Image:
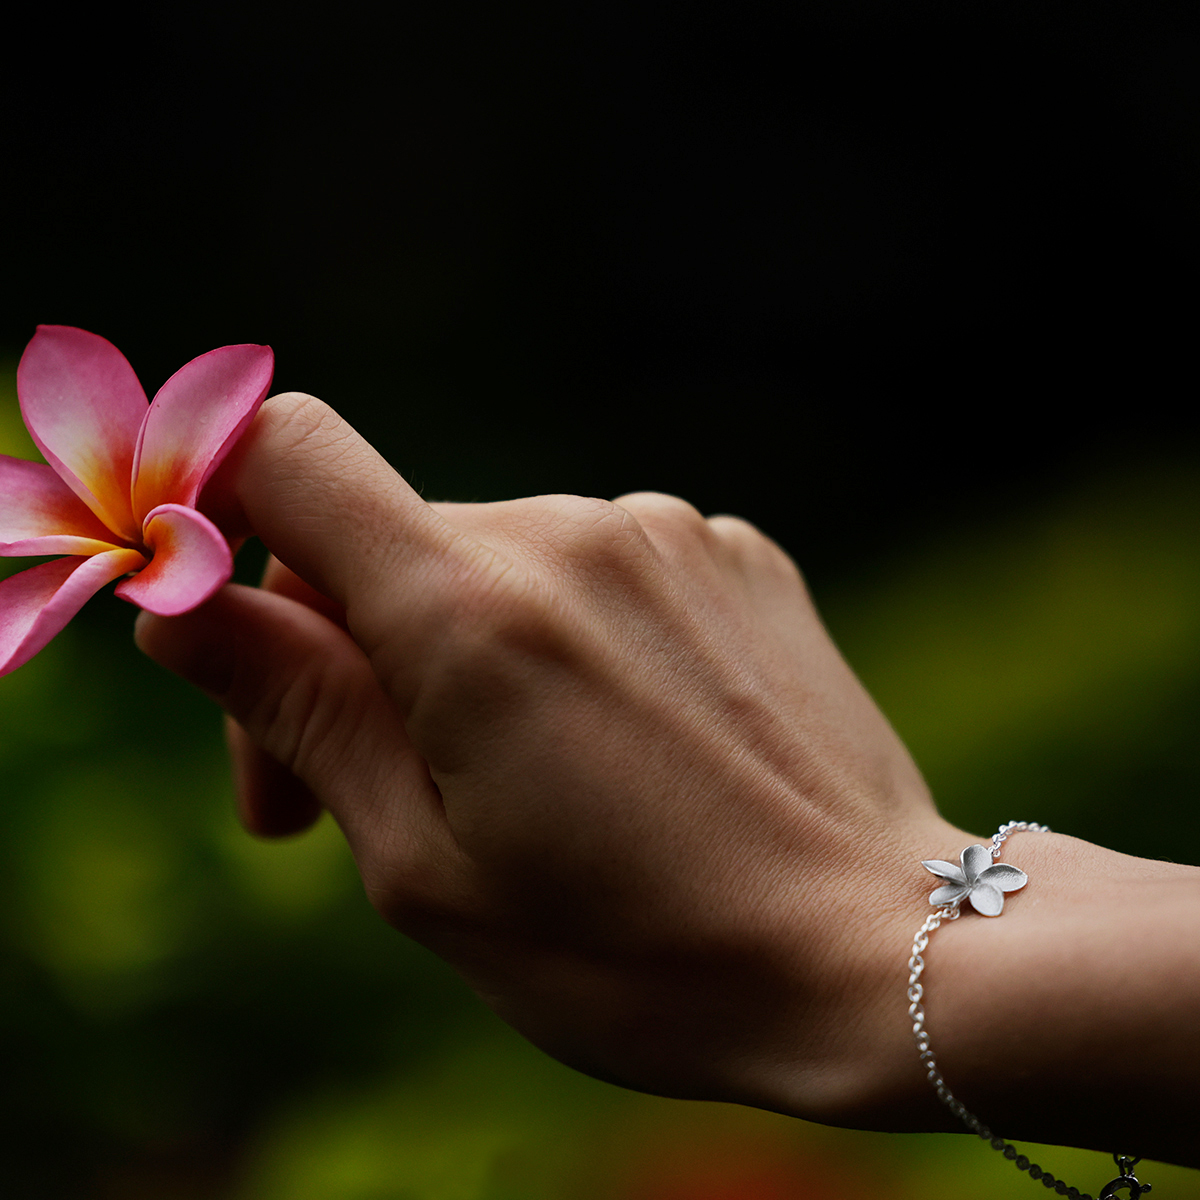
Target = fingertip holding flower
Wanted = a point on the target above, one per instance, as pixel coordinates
(119, 494)
(977, 879)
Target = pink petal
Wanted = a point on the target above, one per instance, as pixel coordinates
(36, 604)
(84, 408)
(191, 560)
(39, 514)
(194, 421)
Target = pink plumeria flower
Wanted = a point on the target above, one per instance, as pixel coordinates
(119, 494)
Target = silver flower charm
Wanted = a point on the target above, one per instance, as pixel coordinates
(979, 880)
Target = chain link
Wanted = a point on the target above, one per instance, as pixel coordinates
(1006, 831)
(916, 1013)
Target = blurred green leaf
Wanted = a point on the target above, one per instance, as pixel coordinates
(1035, 667)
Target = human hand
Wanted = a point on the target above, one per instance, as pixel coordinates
(602, 757)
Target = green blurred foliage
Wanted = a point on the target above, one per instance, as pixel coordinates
(191, 1013)
(1050, 664)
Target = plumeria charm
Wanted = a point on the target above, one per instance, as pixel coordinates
(119, 495)
(978, 880)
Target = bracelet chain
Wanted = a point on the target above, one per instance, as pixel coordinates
(916, 1012)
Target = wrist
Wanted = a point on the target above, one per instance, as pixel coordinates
(1070, 1018)
(1083, 991)
(846, 1055)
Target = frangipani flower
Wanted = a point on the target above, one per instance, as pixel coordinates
(119, 495)
(979, 880)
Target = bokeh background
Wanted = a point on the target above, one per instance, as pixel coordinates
(909, 284)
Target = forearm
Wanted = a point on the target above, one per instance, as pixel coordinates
(1074, 1017)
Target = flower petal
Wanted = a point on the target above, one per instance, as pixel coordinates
(952, 893)
(36, 604)
(39, 514)
(1005, 877)
(191, 560)
(951, 872)
(194, 421)
(84, 408)
(974, 860)
(987, 899)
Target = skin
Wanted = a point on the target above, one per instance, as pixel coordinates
(605, 760)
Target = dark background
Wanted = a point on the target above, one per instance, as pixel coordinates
(597, 247)
(911, 285)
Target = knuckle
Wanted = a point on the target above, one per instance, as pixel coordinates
(738, 532)
(675, 528)
(660, 508)
(588, 534)
(748, 544)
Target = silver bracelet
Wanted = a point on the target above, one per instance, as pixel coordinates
(981, 880)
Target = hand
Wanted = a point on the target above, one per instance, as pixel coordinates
(602, 757)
